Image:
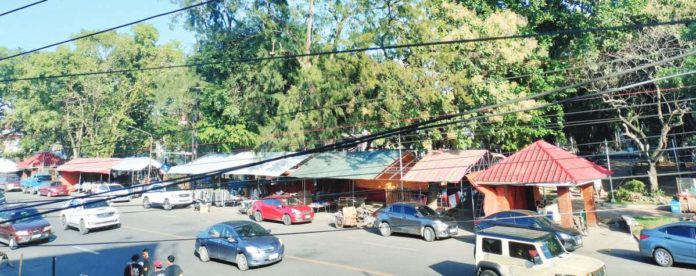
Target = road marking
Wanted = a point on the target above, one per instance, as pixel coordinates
(389, 246)
(347, 267)
(154, 232)
(86, 250)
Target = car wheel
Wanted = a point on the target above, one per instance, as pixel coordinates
(64, 222)
(286, 219)
(242, 263)
(428, 234)
(488, 272)
(13, 243)
(663, 257)
(385, 229)
(203, 254)
(146, 203)
(339, 222)
(257, 216)
(118, 225)
(166, 205)
(83, 227)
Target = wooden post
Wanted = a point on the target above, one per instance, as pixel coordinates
(589, 204)
(565, 206)
(21, 261)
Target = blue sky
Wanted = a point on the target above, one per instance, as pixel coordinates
(56, 20)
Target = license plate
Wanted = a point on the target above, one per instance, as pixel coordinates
(307, 216)
(453, 230)
(36, 236)
(273, 256)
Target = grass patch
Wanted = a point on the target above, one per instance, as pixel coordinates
(646, 222)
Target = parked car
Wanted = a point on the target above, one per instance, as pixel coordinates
(3, 200)
(10, 183)
(244, 243)
(22, 225)
(571, 238)
(416, 219)
(88, 214)
(669, 244)
(283, 208)
(166, 195)
(501, 251)
(31, 184)
(114, 192)
(54, 189)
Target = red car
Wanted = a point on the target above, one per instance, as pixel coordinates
(55, 189)
(283, 208)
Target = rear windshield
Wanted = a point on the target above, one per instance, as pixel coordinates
(56, 184)
(96, 204)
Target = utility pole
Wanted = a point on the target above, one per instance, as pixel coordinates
(401, 170)
(611, 183)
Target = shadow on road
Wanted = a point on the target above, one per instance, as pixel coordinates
(470, 239)
(453, 268)
(624, 254)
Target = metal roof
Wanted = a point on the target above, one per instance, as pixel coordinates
(347, 165)
(541, 163)
(273, 168)
(136, 164)
(208, 163)
(89, 165)
(215, 162)
(444, 165)
(40, 160)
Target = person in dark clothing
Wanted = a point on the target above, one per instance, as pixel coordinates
(147, 265)
(133, 268)
(172, 269)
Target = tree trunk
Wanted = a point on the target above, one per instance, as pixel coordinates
(652, 175)
(308, 36)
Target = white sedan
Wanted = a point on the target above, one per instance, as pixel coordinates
(87, 214)
(114, 192)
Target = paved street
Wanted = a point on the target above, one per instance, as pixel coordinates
(311, 249)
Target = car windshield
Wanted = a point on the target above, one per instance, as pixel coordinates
(171, 188)
(426, 211)
(11, 178)
(43, 177)
(552, 247)
(544, 221)
(96, 204)
(115, 187)
(56, 184)
(291, 201)
(250, 230)
(25, 215)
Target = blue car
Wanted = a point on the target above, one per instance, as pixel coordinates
(669, 244)
(244, 243)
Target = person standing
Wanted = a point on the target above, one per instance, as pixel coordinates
(158, 269)
(173, 269)
(146, 263)
(133, 268)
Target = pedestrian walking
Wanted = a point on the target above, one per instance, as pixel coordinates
(133, 268)
(173, 269)
(158, 269)
(146, 263)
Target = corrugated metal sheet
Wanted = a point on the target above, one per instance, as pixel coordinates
(541, 163)
(346, 165)
(136, 164)
(40, 160)
(274, 168)
(444, 166)
(211, 162)
(89, 165)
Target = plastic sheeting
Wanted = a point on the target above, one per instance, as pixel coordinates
(8, 166)
(136, 164)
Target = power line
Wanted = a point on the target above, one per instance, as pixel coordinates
(107, 30)
(356, 50)
(22, 7)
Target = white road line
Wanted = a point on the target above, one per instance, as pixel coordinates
(389, 246)
(86, 250)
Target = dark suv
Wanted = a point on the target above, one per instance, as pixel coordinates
(571, 238)
(22, 225)
(417, 219)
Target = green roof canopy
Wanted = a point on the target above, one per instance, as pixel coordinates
(347, 165)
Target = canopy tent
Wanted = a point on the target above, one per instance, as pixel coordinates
(446, 166)
(347, 165)
(273, 168)
(136, 164)
(513, 182)
(44, 159)
(8, 166)
(90, 165)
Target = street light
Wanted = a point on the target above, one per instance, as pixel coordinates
(149, 156)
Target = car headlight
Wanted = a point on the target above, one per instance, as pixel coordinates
(296, 212)
(252, 250)
(440, 225)
(281, 242)
(564, 236)
(22, 232)
(47, 228)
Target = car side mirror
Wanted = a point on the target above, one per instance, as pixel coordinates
(536, 260)
(269, 230)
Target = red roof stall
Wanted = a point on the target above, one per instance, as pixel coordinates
(39, 161)
(513, 182)
(86, 169)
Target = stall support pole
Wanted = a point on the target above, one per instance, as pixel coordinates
(473, 207)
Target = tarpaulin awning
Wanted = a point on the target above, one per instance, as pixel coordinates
(90, 165)
(444, 166)
(211, 163)
(8, 166)
(136, 164)
(273, 168)
(541, 163)
(44, 159)
(347, 165)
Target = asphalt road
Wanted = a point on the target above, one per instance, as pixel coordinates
(311, 249)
